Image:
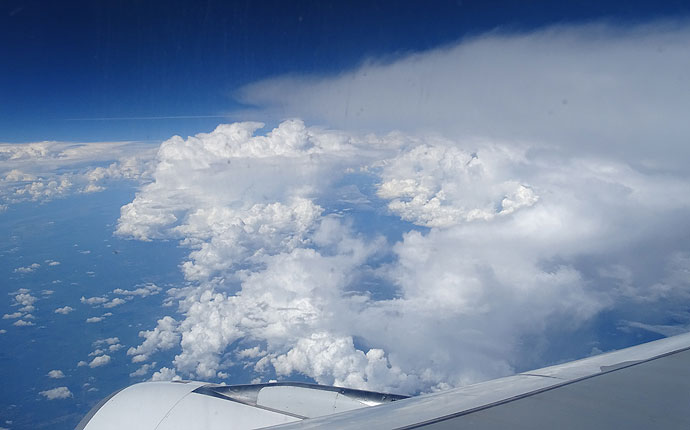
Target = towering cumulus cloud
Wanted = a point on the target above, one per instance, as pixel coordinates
(270, 266)
(413, 262)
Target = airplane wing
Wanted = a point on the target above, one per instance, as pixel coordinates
(642, 387)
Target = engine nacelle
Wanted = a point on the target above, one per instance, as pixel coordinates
(189, 405)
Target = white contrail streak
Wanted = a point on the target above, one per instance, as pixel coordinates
(137, 118)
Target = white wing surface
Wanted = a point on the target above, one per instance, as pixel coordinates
(646, 386)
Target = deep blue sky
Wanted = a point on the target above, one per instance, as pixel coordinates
(93, 59)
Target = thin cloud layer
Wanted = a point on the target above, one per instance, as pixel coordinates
(602, 88)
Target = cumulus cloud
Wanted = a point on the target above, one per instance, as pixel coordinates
(163, 337)
(107, 341)
(93, 300)
(110, 344)
(233, 152)
(43, 171)
(101, 360)
(144, 369)
(56, 374)
(27, 269)
(485, 276)
(98, 319)
(165, 374)
(440, 185)
(114, 302)
(64, 310)
(13, 315)
(106, 302)
(96, 352)
(56, 393)
(141, 291)
(23, 323)
(336, 361)
(518, 220)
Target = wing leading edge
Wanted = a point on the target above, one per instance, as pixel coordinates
(642, 387)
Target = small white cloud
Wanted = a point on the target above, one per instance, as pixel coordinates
(143, 291)
(3, 331)
(93, 300)
(114, 302)
(163, 337)
(82, 363)
(47, 292)
(56, 393)
(64, 310)
(56, 374)
(44, 189)
(254, 352)
(107, 341)
(92, 188)
(96, 352)
(99, 361)
(94, 319)
(116, 347)
(143, 370)
(165, 374)
(23, 298)
(22, 323)
(27, 269)
(52, 263)
(13, 315)
(16, 175)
